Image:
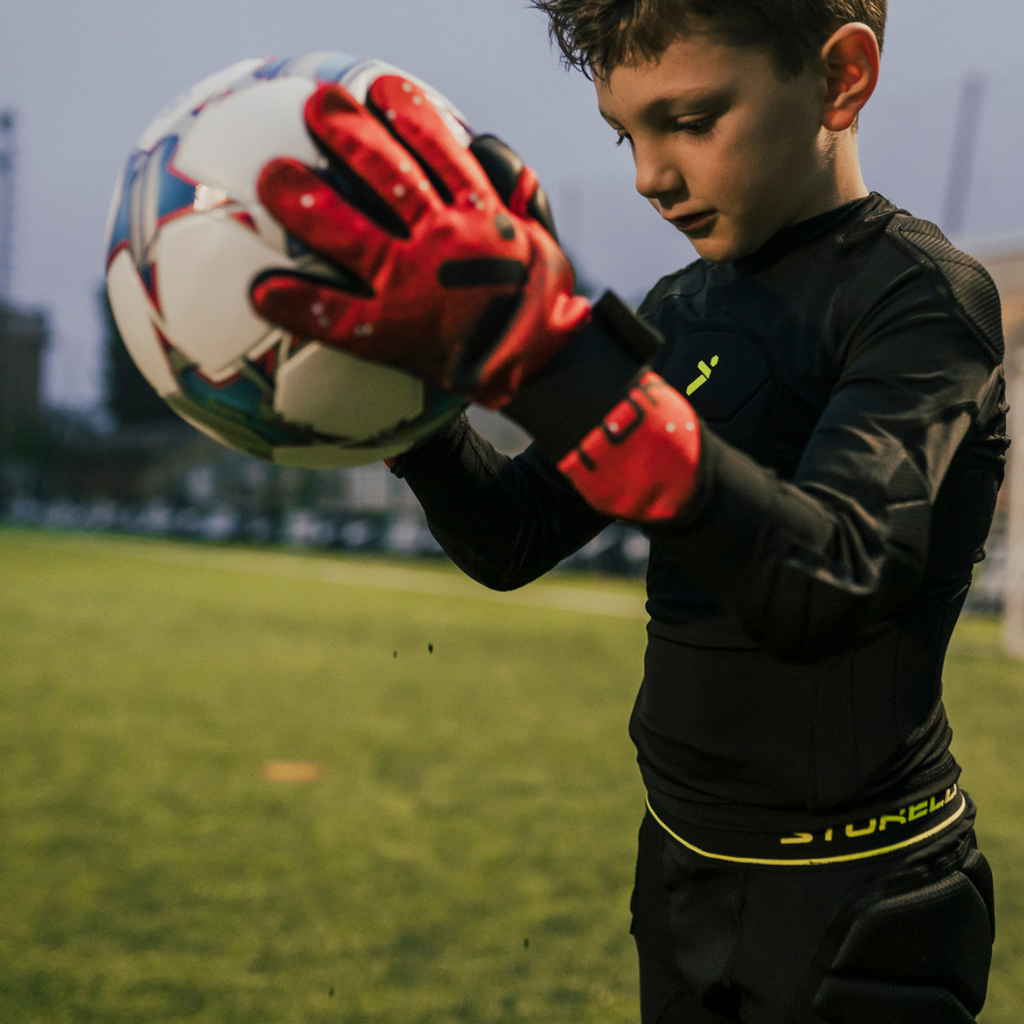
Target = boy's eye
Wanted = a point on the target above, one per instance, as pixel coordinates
(623, 137)
(699, 126)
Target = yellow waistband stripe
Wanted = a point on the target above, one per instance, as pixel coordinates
(811, 861)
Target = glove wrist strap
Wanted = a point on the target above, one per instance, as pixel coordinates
(600, 364)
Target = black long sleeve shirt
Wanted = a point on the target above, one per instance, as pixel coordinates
(848, 379)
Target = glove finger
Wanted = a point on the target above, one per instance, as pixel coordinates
(364, 328)
(321, 219)
(539, 209)
(500, 163)
(514, 182)
(416, 121)
(353, 135)
(309, 309)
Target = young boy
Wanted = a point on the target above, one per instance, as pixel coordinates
(809, 423)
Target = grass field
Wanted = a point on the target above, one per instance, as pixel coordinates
(463, 848)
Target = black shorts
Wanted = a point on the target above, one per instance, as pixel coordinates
(900, 939)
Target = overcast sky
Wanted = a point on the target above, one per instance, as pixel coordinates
(85, 76)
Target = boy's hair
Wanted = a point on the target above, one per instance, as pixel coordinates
(599, 35)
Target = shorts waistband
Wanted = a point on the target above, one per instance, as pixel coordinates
(897, 829)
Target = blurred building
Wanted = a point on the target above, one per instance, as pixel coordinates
(23, 337)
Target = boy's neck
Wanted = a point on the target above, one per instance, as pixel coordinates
(840, 180)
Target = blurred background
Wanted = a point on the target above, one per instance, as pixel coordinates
(273, 780)
(86, 445)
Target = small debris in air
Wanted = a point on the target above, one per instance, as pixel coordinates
(526, 943)
(394, 654)
(430, 648)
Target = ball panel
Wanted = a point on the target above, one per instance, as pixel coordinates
(188, 101)
(214, 326)
(237, 135)
(328, 67)
(441, 408)
(329, 456)
(243, 397)
(233, 433)
(117, 219)
(134, 315)
(335, 393)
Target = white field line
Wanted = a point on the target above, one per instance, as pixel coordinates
(363, 575)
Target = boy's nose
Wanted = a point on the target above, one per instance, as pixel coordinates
(656, 177)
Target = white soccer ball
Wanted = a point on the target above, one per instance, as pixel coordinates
(185, 239)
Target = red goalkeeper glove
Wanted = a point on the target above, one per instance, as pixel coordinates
(453, 286)
(455, 276)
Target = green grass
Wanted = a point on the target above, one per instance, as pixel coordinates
(984, 695)
(473, 798)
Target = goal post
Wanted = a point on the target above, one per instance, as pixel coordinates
(1005, 262)
(1013, 597)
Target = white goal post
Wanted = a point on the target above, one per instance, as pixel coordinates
(1013, 616)
(1005, 262)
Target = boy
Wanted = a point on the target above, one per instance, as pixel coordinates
(814, 449)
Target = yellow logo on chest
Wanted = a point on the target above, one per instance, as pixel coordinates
(705, 373)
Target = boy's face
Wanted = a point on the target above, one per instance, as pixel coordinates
(724, 149)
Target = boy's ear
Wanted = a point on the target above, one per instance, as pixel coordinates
(851, 58)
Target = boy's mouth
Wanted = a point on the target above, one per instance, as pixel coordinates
(693, 221)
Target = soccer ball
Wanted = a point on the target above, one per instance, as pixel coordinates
(186, 237)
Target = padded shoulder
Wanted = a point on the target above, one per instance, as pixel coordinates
(969, 284)
(687, 281)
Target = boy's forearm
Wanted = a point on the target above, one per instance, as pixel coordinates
(503, 521)
(802, 573)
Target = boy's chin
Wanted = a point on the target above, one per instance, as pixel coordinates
(722, 248)
(715, 250)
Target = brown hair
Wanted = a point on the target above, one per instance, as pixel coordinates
(599, 35)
